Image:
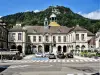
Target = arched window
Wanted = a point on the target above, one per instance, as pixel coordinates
(46, 48)
(82, 47)
(40, 49)
(19, 47)
(77, 47)
(59, 48)
(13, 47)
(64, 48)
(34, 49)
(28, 49)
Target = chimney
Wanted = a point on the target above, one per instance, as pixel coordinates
(77, 25)
(18, 24)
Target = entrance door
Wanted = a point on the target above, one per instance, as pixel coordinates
(47, 48)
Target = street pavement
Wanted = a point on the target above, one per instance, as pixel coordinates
(51, 67)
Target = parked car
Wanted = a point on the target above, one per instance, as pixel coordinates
(39, 55)
(52, 56)
(3, 49)
(61, 56)
(69, 55)
(47, 55)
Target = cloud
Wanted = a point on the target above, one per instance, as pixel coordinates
(79, 12)
(0, 16)
(91, 15)
(36, 11)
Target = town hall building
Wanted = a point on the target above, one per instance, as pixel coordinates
(51, 38)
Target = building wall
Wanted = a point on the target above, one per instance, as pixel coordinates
(97, 42)
(73, 42)
(13, 40)
(3, 37)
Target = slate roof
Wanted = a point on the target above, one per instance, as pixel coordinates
(92, 41)
(79, 28)
(51, 29)
(17, 28)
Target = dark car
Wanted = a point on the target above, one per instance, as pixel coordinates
(61, 56)
(3, 49)
(69, 55)
(52, 56)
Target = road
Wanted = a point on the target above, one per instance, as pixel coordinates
(60, 67)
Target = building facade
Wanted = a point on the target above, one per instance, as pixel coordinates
(97, 40)
(3, 35)
(51, 38)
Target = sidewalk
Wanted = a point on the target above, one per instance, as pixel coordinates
(28, 57)
(53, 73)
(79, 57)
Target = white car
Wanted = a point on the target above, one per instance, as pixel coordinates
(39, 55)
(46, 54)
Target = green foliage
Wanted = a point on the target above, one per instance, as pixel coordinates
(65, 18)
(98, 54)
(88, 54)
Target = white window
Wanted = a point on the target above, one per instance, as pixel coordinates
(28, 38)
(59, 38)
(77, 36)
(13, 36)
(47, 38)
(54, 39)
(34, 38)
(39, 38)
(64, 39)
(82, 37)
(19, 36)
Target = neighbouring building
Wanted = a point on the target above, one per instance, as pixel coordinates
(97, 40)
(51, 37)
(3, 35)
(92, 44)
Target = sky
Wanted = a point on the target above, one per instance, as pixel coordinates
(86, 8)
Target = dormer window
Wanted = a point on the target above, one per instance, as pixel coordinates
(46, 33)
(59, 31)
(34, 31)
